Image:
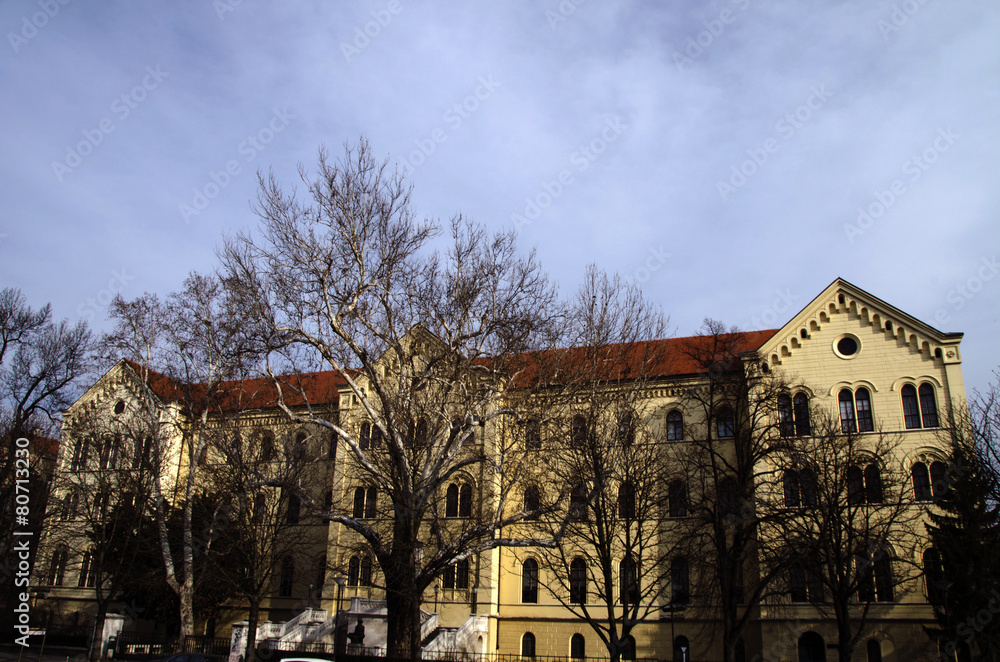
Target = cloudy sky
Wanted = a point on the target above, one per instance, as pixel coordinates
(732, 156)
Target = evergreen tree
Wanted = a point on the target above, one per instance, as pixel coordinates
(961, 569)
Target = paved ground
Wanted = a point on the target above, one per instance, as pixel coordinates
(10, 652)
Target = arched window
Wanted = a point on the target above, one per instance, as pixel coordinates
(376, 436)
(812, 648)
(725, 427)
(928, 406)
(884, 583)
(807, 481)
(848, 419)
(578, 581)
(578, 431)
(873, 484)
(365, 438)
(628, 575)
(578, 502)
(420, 437)
(57, 565)
(866, 422)
(528, 645)
(675, 426)
(88, 571)
(911, 408)
(875, 580)
(365, 502)
(874, 650)
(294, 508)
(786, 420)
(465, 501)
(532, 434)
(855, 485)
(801, 407)
(365, 578)
(266, 446)
(791, 484)
(626, 500)
(259, 506)
(529, 581)
(921, 482)
(578, 647)
(626, 429)
(805, 583)
(287, 577)
(353, 571)
(934, 576)
(628, 648)
(451, 501)
(680, 587)
(678, 499)
(532, 501)
(682, 649)
(359, 502)
(939, 479)
(728, 498)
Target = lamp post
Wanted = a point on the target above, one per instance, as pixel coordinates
(436, 589)
(475, 598)
(673, 610)
(336, 619)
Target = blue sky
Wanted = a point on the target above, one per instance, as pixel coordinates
(734, 157)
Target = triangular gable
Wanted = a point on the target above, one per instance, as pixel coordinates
(840, 297)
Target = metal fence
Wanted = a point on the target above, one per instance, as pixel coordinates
(148, 646)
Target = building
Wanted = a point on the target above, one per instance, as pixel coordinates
(872, 368)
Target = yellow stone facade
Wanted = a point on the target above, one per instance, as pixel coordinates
(891, 350)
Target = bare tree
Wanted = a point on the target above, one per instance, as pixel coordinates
(270, 529)
(852, 523)
(727, 456)
(611, 559)
(41, 365)
(426, 342)
(102, 512)
(190, 354)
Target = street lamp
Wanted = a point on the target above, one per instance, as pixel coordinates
(673, 610)
(336, 619)
(436, 589)
(475, 598)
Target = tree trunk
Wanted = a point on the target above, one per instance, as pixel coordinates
(97, 642)
(249, 654)
(402, 609)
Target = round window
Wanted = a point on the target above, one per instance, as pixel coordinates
(847, 346)
(119, 406)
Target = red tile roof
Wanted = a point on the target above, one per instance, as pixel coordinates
(669, 357)
(318, 388)
(655, 359)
